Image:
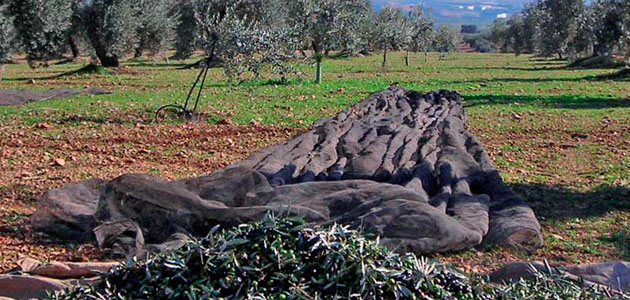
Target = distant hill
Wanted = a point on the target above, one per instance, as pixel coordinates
(478, 12)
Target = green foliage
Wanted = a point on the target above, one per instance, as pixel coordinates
(567, 27)
(422, 30)
(42, 26)
(326, 25)
(498, 35)
(186, 30)
(480, 42)
(558, 25)
(549, 284)
(157, 25)
(111, 26)
(392, 30)
(280, 258)
(447, 39)
(238, 36)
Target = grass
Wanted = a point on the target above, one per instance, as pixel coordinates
(558, 135)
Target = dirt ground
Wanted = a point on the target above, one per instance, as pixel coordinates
(44, 156)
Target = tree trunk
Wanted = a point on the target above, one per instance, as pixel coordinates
(318, 73)
(407, 59)
(426, 57)
(318, 58)
(74, 48)
(107, 60)
(384, 66)
(138, 53)
(560, 55)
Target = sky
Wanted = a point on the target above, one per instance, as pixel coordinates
(479, 12)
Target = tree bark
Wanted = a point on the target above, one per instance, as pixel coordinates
(318, 73)
(106, 59)
(318, 59)
(384, 66)
(138, 53)
(74, 48)
(407, 59)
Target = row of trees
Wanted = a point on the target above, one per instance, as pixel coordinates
(47, 29)
(244, 35)
(567, 28)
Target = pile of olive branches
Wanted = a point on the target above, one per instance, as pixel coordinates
(282, 258)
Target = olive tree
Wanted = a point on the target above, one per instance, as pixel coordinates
(186, 30)
(422, 32)
(611, 26)
(447, 40)
(42, 27)
(558, 25)
(111, 27)
(392, 31)
(498, 35)
(326, 25)
(158, 20)
(516, 34)
(530, 18)
(605, 25)
(237, 36)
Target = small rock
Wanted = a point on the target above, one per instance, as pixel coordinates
(42, 126)
(516, 116)
(60, 162)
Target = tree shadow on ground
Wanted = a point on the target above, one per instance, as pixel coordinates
(546, 59)
(560, 101)
(508, 68)
(558, 202)
(621, 75)
(150, 64)
(90, 69)
(93, 69)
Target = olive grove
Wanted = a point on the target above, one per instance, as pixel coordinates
(573, 29)
(241, 36)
